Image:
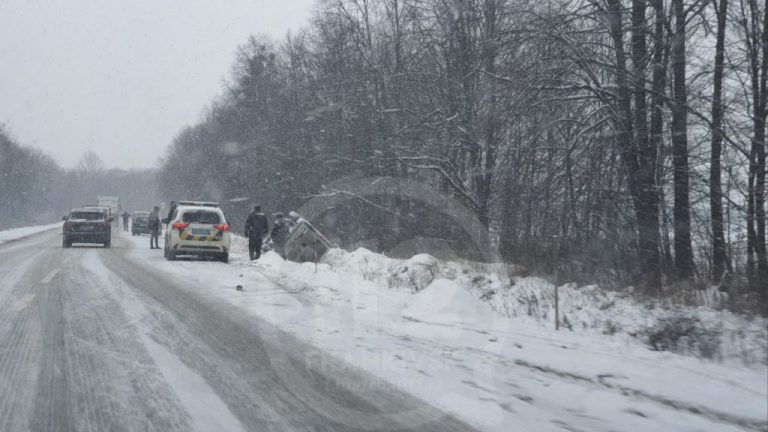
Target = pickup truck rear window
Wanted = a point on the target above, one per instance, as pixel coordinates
(89, 216)
(202, 217)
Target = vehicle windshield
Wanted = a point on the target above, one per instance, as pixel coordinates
(201, 217)
(89, 216)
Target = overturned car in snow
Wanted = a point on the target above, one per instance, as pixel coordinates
(305, 243)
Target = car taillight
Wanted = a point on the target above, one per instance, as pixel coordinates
(223, 227)
(179, 225)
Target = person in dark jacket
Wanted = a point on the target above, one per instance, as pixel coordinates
(154, 228)
(125, 216)
(256, 227)
(279, 235)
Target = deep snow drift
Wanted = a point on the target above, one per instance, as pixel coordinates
(466, 339)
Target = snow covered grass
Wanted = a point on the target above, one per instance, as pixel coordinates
(20, 233)
(464, 338)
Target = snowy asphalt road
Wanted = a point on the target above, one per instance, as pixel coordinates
(92, 340)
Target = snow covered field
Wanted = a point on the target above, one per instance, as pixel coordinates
(497, 363)
(19, 233)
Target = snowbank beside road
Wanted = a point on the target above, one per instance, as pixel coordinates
(698, 331)
(20, 233)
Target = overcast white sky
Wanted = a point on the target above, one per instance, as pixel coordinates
(121, 78)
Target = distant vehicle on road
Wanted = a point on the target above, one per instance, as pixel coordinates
(87, 226)
(140, 223)
(111, 202)
(198, 229)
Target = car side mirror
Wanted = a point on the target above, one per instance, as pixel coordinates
(165, 220)
(64, 218)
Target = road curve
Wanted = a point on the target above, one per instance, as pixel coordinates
(91, 340)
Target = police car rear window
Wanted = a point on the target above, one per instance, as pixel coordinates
(202, 217)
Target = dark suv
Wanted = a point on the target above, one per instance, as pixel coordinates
(87, 226)
(140, 223)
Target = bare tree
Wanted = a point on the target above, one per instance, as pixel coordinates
(684, 267)
(720, 260)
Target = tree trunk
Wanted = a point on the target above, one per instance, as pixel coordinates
(682, 213)
(641, 185)
(719, 256)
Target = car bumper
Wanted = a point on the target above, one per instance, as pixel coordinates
(186, 247)
(87, 237)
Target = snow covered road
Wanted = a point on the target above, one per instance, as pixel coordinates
(95, 339)
(120, 339)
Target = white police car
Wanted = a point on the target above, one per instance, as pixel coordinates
(199, 229)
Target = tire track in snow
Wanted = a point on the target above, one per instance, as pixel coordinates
(52, 409)
(602, 382)
(20, 333)
(188, 394)
(121, 385)
(18, 373)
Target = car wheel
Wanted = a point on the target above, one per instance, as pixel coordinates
(171, 256)
(224, 258)
(108, 244)
(66, 243)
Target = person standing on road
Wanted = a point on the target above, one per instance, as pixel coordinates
(154, 228)
(256, 227)
(279, 234)
(126, 216)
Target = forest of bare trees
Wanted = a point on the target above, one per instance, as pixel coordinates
(616, 141)
(34, 189)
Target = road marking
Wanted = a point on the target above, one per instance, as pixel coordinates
(47, 279)
(23, 302)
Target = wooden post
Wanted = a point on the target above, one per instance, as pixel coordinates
(557, 309)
